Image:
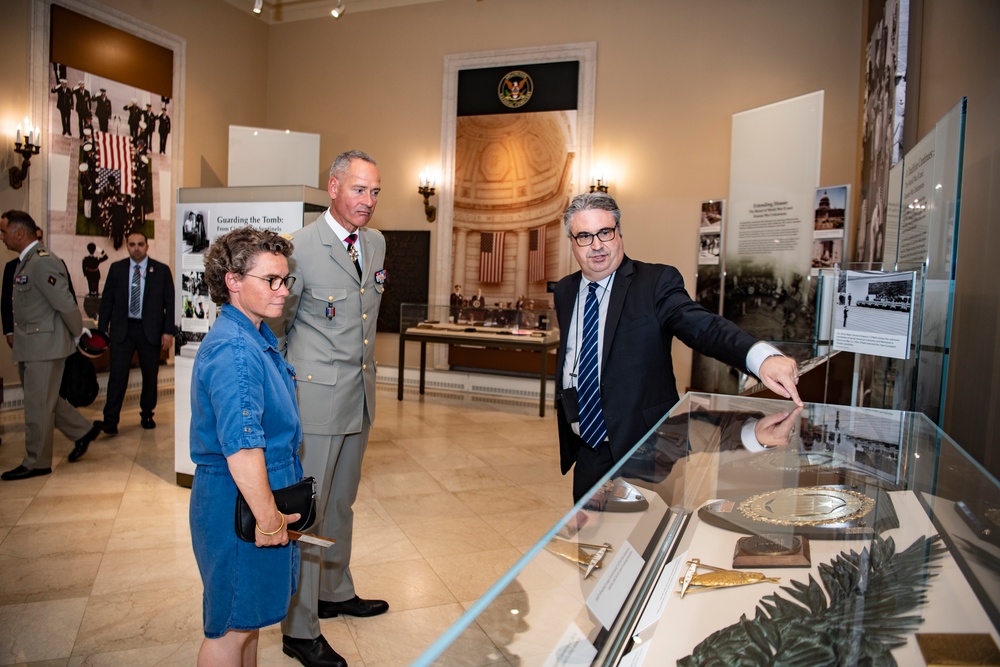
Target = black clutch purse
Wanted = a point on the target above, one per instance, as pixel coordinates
(298, 498)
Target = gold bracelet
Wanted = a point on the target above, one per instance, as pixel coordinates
(275, 531)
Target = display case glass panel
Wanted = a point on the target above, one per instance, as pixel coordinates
(822, 535)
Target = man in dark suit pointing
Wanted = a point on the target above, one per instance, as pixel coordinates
(618, 319)
(137, 312)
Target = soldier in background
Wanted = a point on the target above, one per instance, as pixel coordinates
(163, 127)
(46, 322)
(102, 110)
(82, 104)
(134, 116)
(64, 102)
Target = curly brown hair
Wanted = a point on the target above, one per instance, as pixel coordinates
(236, 252)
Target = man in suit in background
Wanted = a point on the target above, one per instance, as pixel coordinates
(46, 322)
(618, 319)
(329, 327)
(137, 313)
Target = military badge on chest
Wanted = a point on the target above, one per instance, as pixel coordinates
(381, 277)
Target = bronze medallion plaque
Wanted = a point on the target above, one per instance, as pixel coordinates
(771, 551)
(958, 649)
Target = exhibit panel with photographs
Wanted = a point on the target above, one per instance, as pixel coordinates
(884, 105)
(198, 224)
(830, 225)
(863, 534)
(774, 172)
(925, 195)
(707, 374)
(874, 311)
(203, 214)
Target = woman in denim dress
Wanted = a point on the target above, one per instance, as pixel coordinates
(244, 437)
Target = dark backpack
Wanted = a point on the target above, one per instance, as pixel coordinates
(79, 381)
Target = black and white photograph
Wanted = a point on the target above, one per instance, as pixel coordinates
(873, 313)
(194, 232)
(710, 247)
(197, 310)
(711, 214)
(772, 307)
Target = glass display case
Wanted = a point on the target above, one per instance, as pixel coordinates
(743, 531)
(497, 328)
(503, 319)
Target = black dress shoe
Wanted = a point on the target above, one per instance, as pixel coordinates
(312, 652)
(20, 472)
(108, 427)
(147, 422)
(353, 607)
(81, 445)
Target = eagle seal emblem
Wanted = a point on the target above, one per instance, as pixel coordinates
(515, 89)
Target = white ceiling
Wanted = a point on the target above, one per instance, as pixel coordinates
(284, 11)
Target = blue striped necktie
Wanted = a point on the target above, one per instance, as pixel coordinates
(592, 428)
(134, 305)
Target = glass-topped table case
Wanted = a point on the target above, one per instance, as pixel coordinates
(745, 531)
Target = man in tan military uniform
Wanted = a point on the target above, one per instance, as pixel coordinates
(329, 326)
(46, 322)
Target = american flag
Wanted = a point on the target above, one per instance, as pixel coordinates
(114, 152)
(536, 255)
(491, 257)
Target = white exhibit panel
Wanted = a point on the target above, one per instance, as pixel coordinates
(202, 215)
(772, 207)
(773, 175)
(259, 156)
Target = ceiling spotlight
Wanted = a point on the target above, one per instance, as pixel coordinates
(257, 6)
(338, 11)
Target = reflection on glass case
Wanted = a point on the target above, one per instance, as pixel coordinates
(744, 531)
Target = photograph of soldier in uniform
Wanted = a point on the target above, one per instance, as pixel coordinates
(194, 232)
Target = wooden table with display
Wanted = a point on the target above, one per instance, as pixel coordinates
(504, 339)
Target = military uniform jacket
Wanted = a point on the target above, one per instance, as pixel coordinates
(46, 315)
(329, 325)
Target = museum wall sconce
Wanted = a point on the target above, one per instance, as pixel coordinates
(30, 147)
(339, 10)
(257, 6)
(426, 188)
(599, 180)
(599, 183)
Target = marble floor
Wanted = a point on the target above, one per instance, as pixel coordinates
(96, 566)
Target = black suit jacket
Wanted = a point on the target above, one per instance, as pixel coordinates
(157, 301)
(648, 307)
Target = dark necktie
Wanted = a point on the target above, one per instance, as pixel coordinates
(352, 252)
(135, 295)
(588, 385)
